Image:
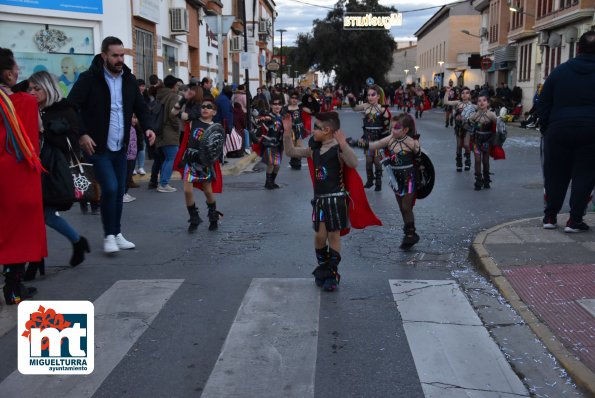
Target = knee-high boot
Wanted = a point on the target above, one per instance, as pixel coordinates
(14, 290)
(378, 180)
(331, 283)
(269, 182)
(369, 175)
(32, 268)
(467, 161)
(478, 182)
(459, 162)
(410, 238)
(273, 178)
(195, 219)
(323, 271)
(486, 180)
(213, 215)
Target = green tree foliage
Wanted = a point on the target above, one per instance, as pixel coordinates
(354, 55)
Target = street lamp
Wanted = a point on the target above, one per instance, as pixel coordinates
(288, 72)
(514, 9)
(281, 53)
(465, 31)
(416, 68)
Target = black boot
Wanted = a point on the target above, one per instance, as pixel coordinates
(459, 162)
(416, 114)
(32, 268)
(467, 161)
(410, 238)
(378, 181)
(486, 180)
(78, 251)
(421, 113)
(331, 283)
(195, 219)
(273, 178)
(478, 182)
(295, 163)
(14, 290)
(323, 271)
(370, 176)
(213, 216)
(269, 182)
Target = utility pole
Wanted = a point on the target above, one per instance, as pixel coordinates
(246, 71)
(281, 53)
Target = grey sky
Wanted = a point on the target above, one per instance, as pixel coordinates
(297, 18)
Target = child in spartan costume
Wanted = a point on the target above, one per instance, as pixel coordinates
(402, 152)
(270, 140)
(339, 198)
(463, 109)
(483, 123)
(298, 131)
(207, 178)
(450, 95)
(376, 126)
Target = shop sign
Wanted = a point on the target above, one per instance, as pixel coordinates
(146, 9)
(87, 6)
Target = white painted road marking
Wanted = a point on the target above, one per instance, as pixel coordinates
(453, 353)
(122, 314)
(271, 348)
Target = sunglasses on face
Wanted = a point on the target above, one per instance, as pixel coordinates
(208, 106)
(277, 103)
(294, 97)
(317, 127)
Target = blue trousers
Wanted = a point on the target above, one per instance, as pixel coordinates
(169, 153)
(59, 224)
(110, 171)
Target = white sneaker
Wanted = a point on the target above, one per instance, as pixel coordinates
(128, 198)
(134, 172)
(123, 243)
(142, 171)
(166, 188)
(110, 245)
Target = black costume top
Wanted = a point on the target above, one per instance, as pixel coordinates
(328, 172)
(375, 123)
(296, 121)
(271, 130)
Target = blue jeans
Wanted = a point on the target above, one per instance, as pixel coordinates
(246, 139)
(140, 159)
(110, 171)
(59, 224)
(169, 153)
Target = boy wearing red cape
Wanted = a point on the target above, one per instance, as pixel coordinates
(207, 178)
(339, 197)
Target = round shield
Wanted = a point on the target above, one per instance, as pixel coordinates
(468, 111)
(210, 145)
(426, 176)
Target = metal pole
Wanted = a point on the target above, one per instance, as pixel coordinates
(220, 48)
(246, 72)
(281, 53)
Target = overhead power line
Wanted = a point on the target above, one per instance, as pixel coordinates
(404, 11)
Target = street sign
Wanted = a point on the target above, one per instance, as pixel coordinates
(245, 60)
(273, 66)
(369, 81)
(486, 63)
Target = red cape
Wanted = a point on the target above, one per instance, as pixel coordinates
(360, 212)
(217, 185)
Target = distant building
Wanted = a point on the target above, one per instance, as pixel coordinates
(404, 63)
(444, 52)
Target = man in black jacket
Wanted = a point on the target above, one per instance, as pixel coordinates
(566, 111)
(106, 96)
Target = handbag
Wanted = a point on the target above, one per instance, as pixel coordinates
(57, 184)
(233, 142)
(83, 178)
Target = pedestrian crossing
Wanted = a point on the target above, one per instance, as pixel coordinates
(271, 346)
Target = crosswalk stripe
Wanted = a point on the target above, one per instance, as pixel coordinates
(122, 314)
(453, 352)
(271, 348)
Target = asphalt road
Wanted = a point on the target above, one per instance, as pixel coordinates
(362, 349)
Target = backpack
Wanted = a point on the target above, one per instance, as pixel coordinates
(156, 114)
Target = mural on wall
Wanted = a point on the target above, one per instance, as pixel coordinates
(64, 51)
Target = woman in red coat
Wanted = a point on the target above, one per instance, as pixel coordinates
(22, 236)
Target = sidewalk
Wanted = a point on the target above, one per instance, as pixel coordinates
(548, 276)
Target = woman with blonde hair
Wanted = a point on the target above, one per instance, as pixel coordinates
(60, 130)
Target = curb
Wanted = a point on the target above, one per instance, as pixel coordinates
(239, 166)
(580, 373)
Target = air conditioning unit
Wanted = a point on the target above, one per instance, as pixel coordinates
(264, 26)
(235, 44)
(571, 34)
(178, 20)
(543, 38)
